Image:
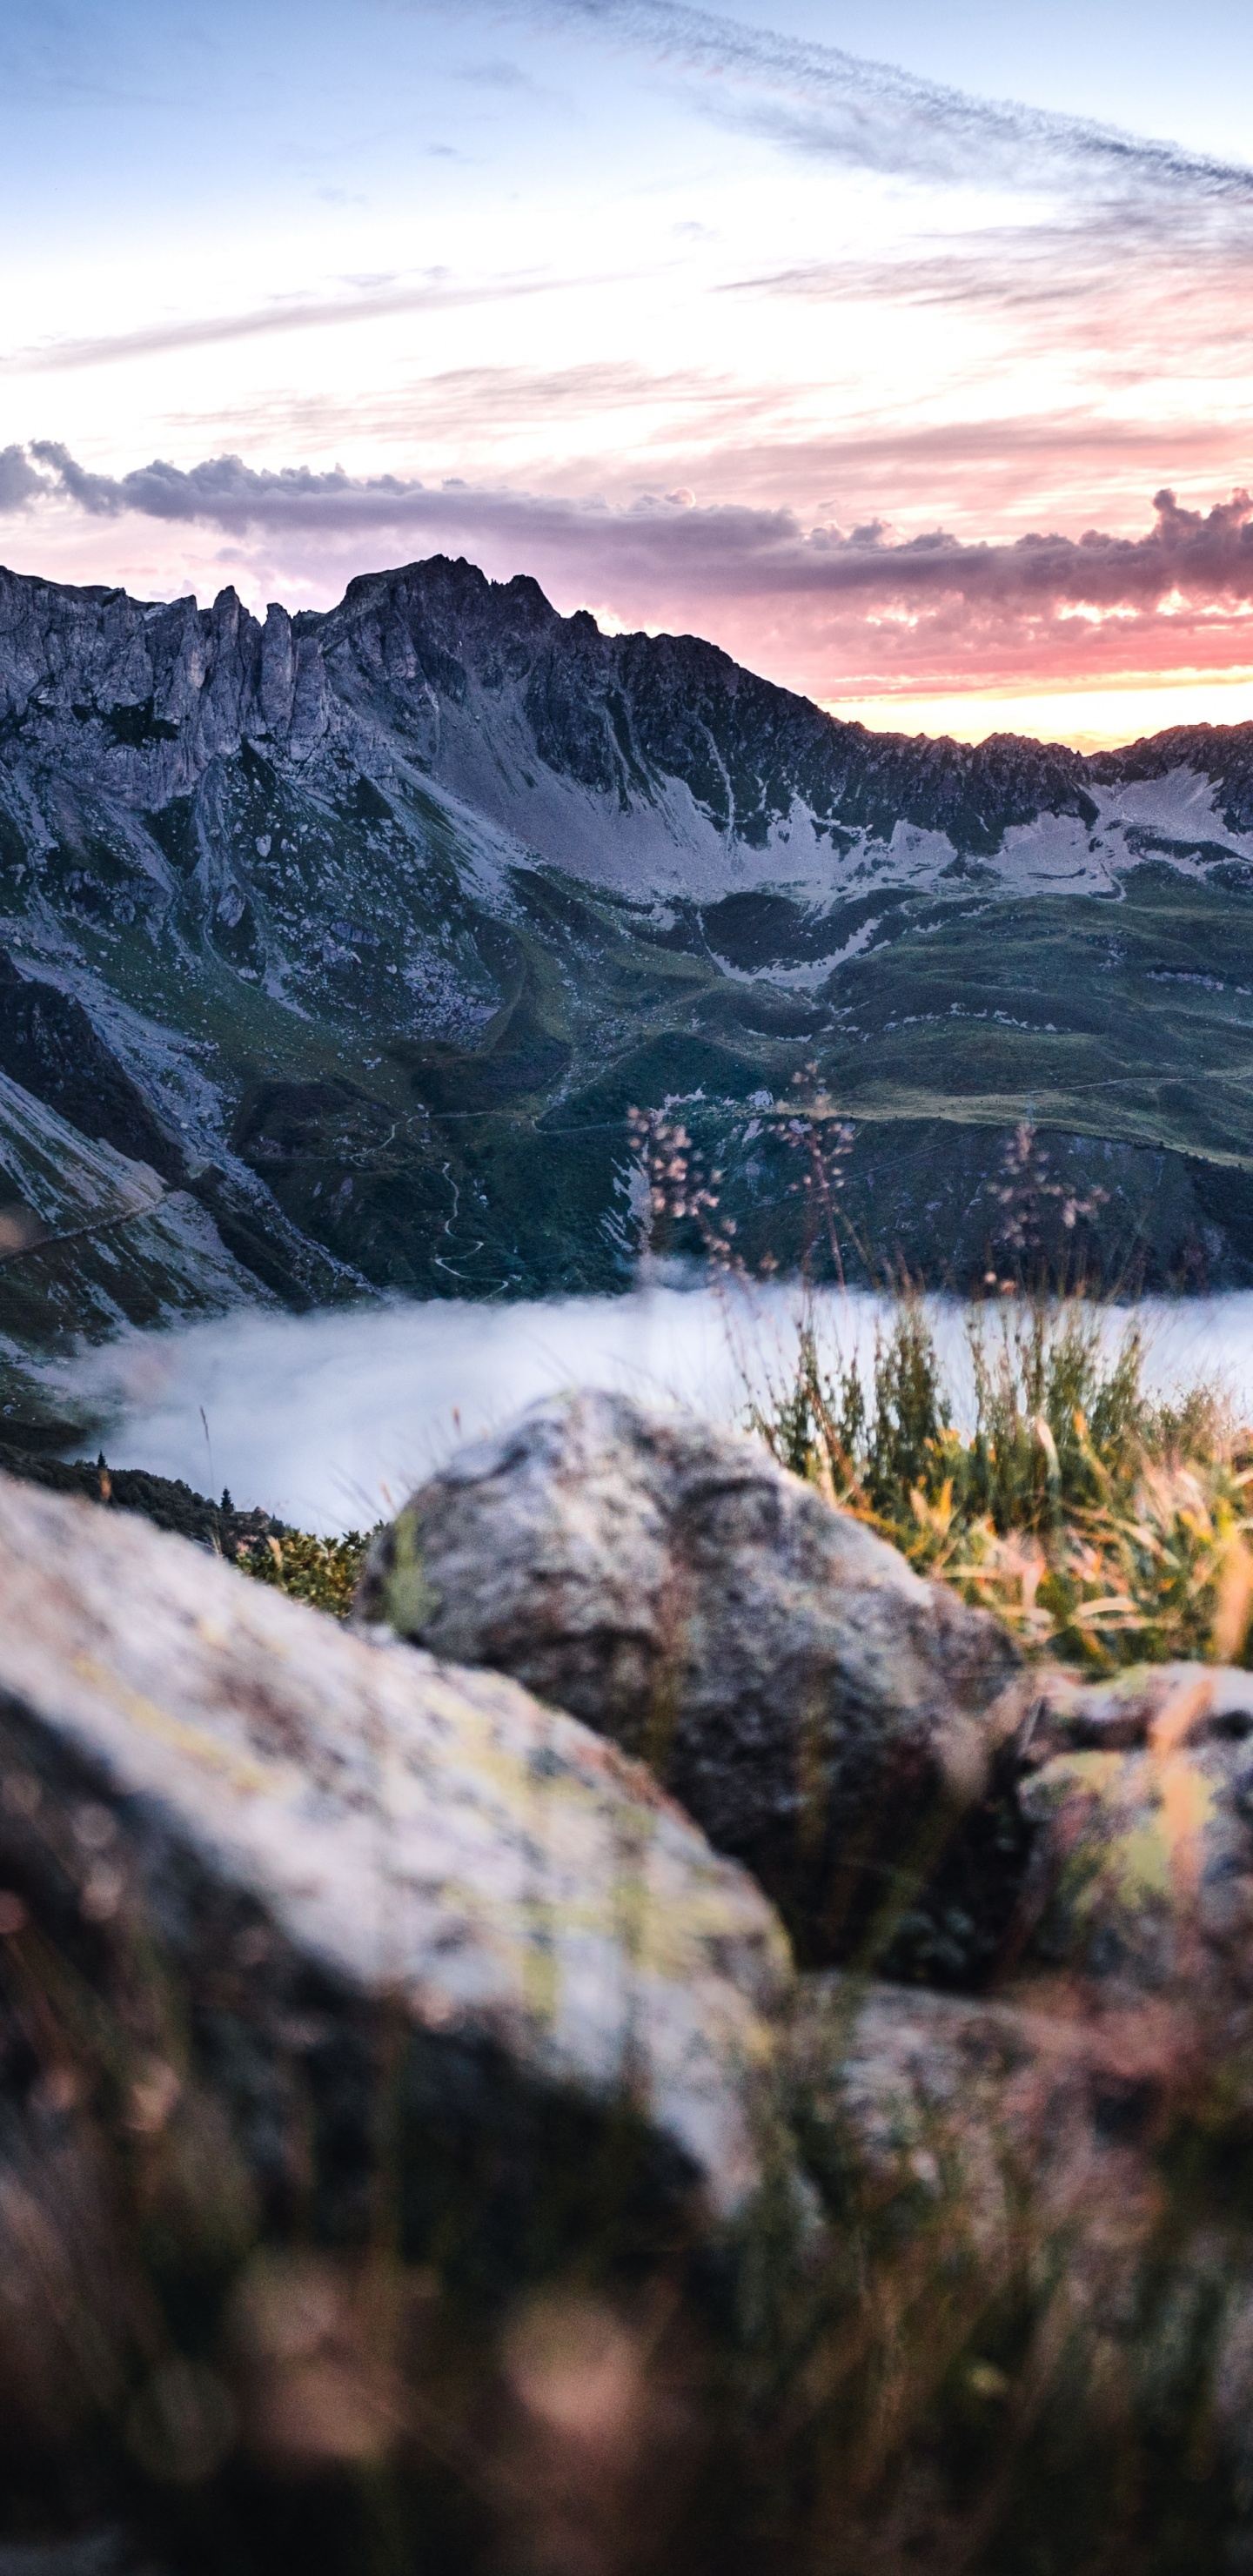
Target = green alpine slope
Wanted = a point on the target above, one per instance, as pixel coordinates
(358, 935)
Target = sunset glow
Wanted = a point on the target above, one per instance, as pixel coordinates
(1087, 719)
(929, 404)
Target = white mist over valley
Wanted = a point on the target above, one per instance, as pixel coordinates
(327, 1420)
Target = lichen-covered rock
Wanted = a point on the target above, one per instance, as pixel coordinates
(408, 2124)
(1139, 1793)
(430, 1836)
(813, 1703)
(347, 2003)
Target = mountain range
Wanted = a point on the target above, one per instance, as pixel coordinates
(334, 948)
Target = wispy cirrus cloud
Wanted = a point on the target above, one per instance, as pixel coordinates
(380, 300)
(900, 406)
(1148, 292)
(1052, 269)
(617, 426)
(821, 100)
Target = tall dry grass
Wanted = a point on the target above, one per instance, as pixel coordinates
(1101, 1526)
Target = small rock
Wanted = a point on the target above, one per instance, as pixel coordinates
(1140, 1795)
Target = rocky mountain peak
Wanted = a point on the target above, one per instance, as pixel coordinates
(627, 719)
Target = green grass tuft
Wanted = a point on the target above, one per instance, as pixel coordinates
(321, 1571)
(1102, 1528)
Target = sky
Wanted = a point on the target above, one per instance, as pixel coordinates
(904, 350)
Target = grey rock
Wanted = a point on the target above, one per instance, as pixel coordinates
(1139, 1792)
(50, 1046)
(91, 1239)
(423, 652)
(430, 1836)
(355, 2013)
(441, 850)
(401, 2101)
(607, 755)
(811, 1701)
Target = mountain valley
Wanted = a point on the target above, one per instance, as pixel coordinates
(336, 947)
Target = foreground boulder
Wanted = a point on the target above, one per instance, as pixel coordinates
(415, 2151)
(1042, 2199)
(320, 1965)
(813, 1703)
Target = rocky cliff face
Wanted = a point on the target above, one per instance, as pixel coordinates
(380, 918)
(415, 664)
(482, 685)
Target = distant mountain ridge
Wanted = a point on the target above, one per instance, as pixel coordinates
(410, 663)
(347, 922)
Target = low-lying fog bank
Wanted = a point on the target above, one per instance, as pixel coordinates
(328, 1419)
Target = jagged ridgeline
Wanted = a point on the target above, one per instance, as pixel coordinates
(339, 945)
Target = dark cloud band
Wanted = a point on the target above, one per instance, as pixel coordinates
(668, 544)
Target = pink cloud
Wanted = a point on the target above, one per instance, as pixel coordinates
(725, 548)
(836, 610)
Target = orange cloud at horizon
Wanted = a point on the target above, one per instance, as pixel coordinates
(1085, 719)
